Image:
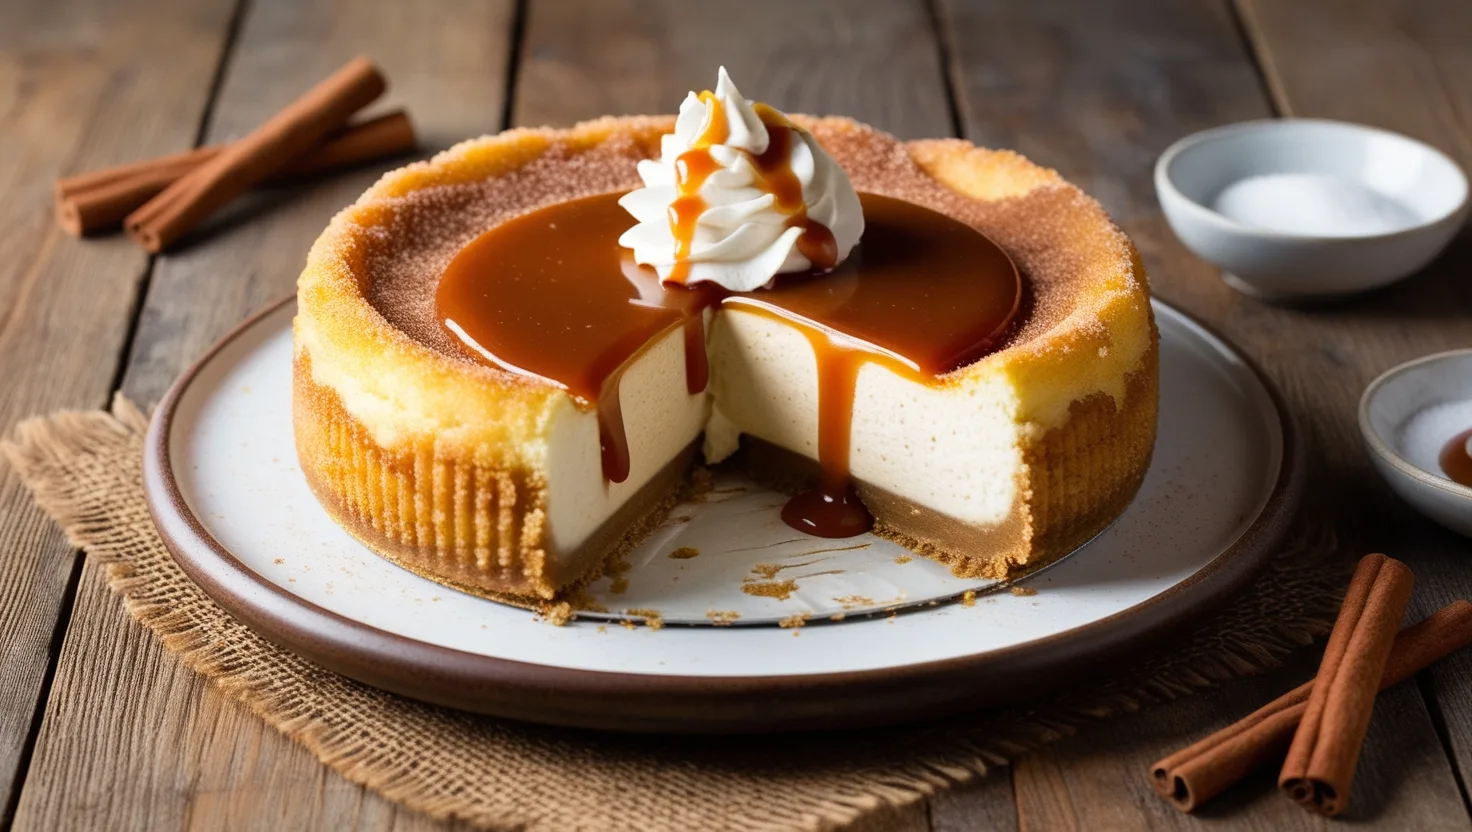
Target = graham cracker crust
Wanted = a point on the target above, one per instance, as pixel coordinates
(364, 488)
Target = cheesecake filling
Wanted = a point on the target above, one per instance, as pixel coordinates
(840, 367)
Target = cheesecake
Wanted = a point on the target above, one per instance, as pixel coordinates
(509, 360)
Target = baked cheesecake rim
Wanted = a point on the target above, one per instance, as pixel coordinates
(695, 704)
(353, 322)
(429, 404)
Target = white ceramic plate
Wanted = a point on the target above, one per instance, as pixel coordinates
(228, 496)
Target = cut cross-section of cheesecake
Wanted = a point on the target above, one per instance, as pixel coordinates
(486, 449)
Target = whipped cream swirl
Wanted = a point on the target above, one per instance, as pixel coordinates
(716, 206)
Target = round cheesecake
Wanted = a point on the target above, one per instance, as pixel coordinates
(477, 475)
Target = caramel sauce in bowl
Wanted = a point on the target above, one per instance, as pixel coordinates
(1416, 419)
(1455, 462)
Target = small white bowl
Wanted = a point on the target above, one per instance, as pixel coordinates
(1305, 208)
(1407, 416)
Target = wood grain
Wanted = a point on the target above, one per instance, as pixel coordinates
(1095, 89)
(874, 61)
(132, 83)
(985, 803)
(1409, 67)
(446, 63)
(134, 742)
(1098, 90)
(1097, 779)
(1402, 65)
(131, 739)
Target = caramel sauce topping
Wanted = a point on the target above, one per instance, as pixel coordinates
(550, 294)
(1455, 462)
(692, 168)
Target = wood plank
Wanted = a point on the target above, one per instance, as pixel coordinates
(1098, 90)
(909, 818)
(873, 61)
(131, 739)
(1097, 779)
(1405, 67)
(986, 803)
(126, 84)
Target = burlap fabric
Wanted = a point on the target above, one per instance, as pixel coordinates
(84, 469)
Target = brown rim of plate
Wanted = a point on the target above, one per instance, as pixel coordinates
(694, 704)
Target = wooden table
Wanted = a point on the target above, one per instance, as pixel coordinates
(100, 728)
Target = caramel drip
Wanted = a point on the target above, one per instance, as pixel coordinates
(697, 362)
(1455, 462)
(774, 166)
(692, 168)
(613, 440)
(717, 127)
(551, 295)
(817, 244)
(832, 508)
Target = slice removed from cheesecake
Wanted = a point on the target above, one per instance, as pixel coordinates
(494, 479)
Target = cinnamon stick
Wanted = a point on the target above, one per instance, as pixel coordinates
(263, 152)
(98, 201)
(1326, 747)
(1201, 771)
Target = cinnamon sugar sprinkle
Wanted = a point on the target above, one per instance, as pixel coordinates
(968, 598)
(653, 619)
(850, 602)
(795, 620)
(617, 568)
(1022, 591)
(583, 601)
(781, 590)
(685, 553)
(559, 613)
(722, 618)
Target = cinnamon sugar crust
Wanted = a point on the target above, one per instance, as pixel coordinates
(1081, 360)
